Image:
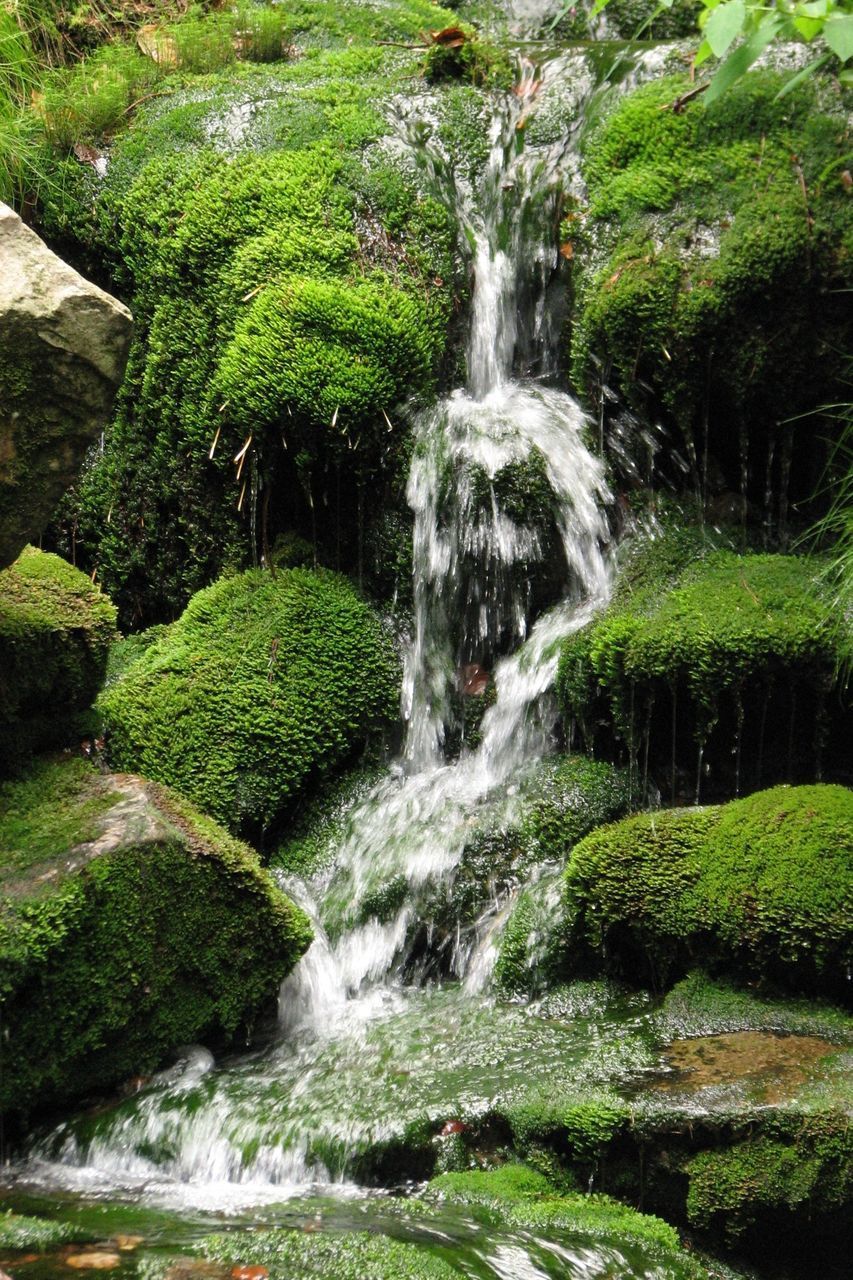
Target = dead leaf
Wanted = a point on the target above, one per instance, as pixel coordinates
(847, 180)
(567, 250)
(157, 45)
(126, 1244)
(249, 1273)
(449, 37)
(96, 1260)
(87, 154)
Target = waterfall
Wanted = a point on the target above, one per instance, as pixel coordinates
(256, 1127)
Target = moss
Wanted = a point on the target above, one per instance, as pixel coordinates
(164, 931)
(751, 1183)
(476, 60)
(265, 684)
(760, 886)
(339, 1255)
(727, 653)
(19, 1231)
(292, 286)
(55, 633)
(705, 268)
(50, 809)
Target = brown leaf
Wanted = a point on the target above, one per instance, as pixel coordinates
(249, 1273)
(847, 180)
(567, 249)
(450, 37)
(86, 154)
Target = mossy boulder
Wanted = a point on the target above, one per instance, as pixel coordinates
(762, 886)
(265, 684)
(712, 671)
(710, 265)
(56, 628)
(129, 925)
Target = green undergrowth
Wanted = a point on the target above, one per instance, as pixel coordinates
(710, 267)
(266, 684)
(167, 932)
(55, 633)
(760, 887)
(36, 1235)
(703, 647)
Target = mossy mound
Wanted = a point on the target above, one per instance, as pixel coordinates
(36, 1235)
(266, 683)
(129, 925)
(713, 672)
(293, 284)
(710, 269)
(761, 886)
(337, 1255)
(55, 634)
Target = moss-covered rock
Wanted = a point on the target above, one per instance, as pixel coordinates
(712, 671)
(129, 925)
(338, 1255)
(55, 632)
(710, 267)
(761, 886)
(265, 684)
(19, 1231)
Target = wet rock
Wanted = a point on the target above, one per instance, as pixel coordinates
(64, 346)
(95, 1260)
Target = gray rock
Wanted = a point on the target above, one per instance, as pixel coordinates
(63, 349)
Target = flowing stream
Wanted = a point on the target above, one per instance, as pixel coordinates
(364, 1045)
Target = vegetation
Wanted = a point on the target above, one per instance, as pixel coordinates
(265, 685)
(759, 886)
(703, 649)
(342, 1255)
(164, 932)
(55, 633)
(19, 1231)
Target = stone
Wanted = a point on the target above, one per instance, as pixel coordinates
(63, 349)
(95, 1260)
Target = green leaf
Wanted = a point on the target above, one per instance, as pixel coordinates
(808, 27)
(703, 53)
(790, 85)
(838, 34)
(725, 25)
(738, 63)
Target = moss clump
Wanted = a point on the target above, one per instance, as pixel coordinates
(158, 931)
(55, 633)
(333, 1256)
(804, 1169)
(735, 654)
(473, 59)
(18, 1231)
(265, 684)
(761, 886)
(706, 270)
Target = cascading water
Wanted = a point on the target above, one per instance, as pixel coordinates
(272, 1122)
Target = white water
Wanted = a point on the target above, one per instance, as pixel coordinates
(472, 568)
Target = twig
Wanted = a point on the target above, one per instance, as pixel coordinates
(680, 103)
(158, 93)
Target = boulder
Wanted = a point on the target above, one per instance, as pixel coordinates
(63, 348)
(129, 926)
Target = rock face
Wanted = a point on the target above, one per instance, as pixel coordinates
(129, 925)
(63, 348)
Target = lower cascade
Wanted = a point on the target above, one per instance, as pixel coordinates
(562, 942)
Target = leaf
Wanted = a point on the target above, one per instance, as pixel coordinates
(724, 25)
(703, 53)
(449, 37)
(158, 45)
(808, 28)
(567, 250)
(738, 63)
(838, 34)
(790, 85)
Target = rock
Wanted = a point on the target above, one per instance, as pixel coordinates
(63, 349)
(156, 929)
(96, 1260)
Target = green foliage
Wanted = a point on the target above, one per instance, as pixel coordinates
(334, 1255)
(707, 267)
(476, 60)
(55, 633)
(265, 684)
(760, 886)
(18, 1231)
(110, 961)
(750, 1183)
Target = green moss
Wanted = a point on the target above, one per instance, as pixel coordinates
(476, 60)
(55, 633)
(265, 684)
(18, 1231)
(165, 932)
(338, 1256)
(50, 809)
(568, 797)
(705, 270)
(751, 1183)
(725, 652)
(760, 885)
